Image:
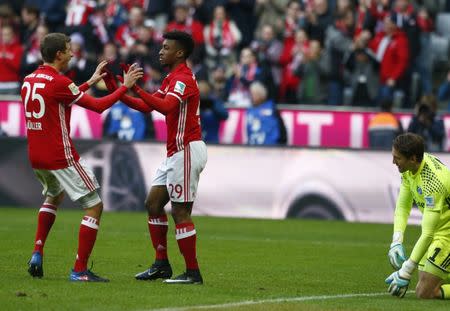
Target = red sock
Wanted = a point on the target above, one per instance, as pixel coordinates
(46, 218)
(157, 226)
(86, 241)
(186, 239)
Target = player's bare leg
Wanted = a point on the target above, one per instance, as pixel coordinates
(157, 198)
(429, 286)
(46, 218)
(86, 240)
(186, 238)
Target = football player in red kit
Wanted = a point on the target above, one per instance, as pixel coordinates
(48, 97)
(177, 178)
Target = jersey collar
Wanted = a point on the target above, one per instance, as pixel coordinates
(179, 68)
(422, 164)
(48, 67)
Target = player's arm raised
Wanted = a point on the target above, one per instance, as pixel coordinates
(101, 104)
(163, 105)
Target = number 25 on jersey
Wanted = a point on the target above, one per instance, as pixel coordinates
(33, 90)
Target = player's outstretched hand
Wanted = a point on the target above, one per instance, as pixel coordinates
(98, 74)
(134, 73)
(397, 255)
(398, 286)
(135, 88)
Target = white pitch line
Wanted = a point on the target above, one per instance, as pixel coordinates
(275, 300)
(319, 242)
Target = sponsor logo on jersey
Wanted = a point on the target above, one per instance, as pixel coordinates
(429, 201)
(74, 89)
(179, 87)
(419, 190)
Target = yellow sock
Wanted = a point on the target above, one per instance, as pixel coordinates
(445, 290)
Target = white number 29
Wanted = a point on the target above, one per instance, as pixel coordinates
(34, 96)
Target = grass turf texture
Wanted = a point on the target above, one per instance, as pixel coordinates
(241, 260)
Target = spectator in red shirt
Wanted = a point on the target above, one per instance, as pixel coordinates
(184, 21)
(10, 58)
(126, 34)
(290, 59)
(392, 51)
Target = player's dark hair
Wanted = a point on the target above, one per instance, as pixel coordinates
(410, 144)
(183, 39)
(51, 44)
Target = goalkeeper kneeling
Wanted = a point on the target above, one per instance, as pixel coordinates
(425, 181)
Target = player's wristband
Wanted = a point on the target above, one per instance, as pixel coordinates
(397, 238)
(407, 269)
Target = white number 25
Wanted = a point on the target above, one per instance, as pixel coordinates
(34, 96)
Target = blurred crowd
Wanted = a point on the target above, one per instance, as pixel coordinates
(316, 52)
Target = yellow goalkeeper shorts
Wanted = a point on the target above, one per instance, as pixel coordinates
(437, 259)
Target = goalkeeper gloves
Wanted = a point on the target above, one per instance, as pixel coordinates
(396, 255)
(399, 280)
(397, 285)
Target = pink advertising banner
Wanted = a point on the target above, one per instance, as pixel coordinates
(317, 128)
(314, 128)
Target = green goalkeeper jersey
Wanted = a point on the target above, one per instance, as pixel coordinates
(429, 188)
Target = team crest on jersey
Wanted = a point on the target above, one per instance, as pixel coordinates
(179, 87)
(74, 89)
(429, 201)
(419, 190)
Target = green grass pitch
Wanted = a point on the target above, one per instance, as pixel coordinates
(247, 264)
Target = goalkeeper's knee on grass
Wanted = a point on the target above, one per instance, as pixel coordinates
(445, 291)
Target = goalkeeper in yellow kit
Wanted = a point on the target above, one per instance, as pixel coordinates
(426, 182)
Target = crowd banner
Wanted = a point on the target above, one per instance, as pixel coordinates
(305, 127)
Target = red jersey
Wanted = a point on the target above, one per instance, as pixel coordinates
(47, 96)
(183, 124)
